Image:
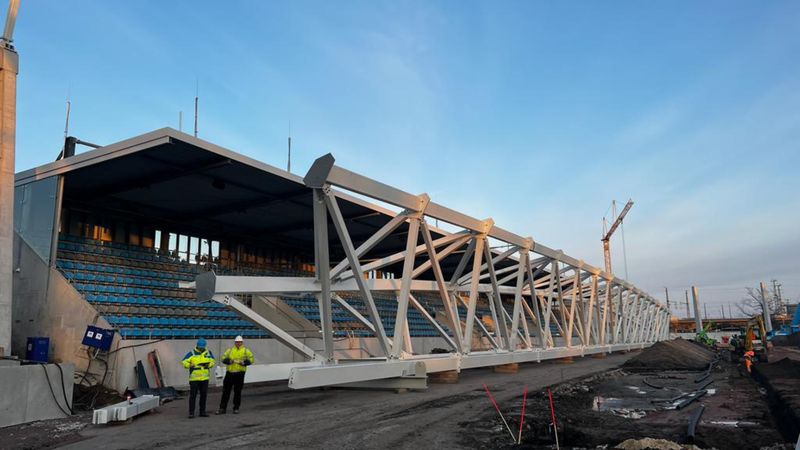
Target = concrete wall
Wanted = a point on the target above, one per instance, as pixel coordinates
(46, 305)
(25, 395)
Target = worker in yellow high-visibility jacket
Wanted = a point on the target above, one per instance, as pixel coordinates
(198, 361)
(237, 359)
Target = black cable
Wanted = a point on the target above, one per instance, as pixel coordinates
(50, 385)
(136, 345)
(64, 388)
(88, 365)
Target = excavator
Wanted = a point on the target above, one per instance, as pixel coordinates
(754, 339)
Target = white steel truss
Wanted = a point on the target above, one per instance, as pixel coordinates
(592, 311)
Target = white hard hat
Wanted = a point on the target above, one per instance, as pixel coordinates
(238, 339)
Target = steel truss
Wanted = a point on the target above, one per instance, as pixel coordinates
(594, 311)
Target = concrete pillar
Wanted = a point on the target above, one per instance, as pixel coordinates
(9, 66)
(696, 299)
(767, 312)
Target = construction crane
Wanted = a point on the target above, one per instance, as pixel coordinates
(607, 232)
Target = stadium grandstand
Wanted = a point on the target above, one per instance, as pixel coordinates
(115, 237)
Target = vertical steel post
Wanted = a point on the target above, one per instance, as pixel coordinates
(322, 269)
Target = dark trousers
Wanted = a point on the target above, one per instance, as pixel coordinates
(235, 381)
(194, 387)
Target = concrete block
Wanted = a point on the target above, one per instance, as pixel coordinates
(14, 392)
(124, 410)
(27, 396)
(446, 377)
(41, 404)
(507, 368)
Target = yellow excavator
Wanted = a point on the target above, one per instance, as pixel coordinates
(753, 339)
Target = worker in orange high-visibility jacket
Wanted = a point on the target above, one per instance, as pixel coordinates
(748, 359)
(237, 359)
(198, 361)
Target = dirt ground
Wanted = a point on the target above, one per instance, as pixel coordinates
(781, 380)
(280, 418)
(597, 403)
(601, 411)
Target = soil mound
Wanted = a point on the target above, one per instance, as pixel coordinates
(785, 368)
(677, 354)
(792, 340)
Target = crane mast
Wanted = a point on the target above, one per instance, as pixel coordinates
(608, 232)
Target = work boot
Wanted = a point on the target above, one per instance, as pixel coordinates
(191, 416)
(220, 412)
(236, 411)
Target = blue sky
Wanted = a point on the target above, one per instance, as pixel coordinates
(535, 114)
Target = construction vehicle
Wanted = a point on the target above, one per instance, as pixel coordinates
(703, 336)
(794, 326)
(753, 339)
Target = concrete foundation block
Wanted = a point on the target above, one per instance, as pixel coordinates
(507, 368)
(26, 396)
(447, 377)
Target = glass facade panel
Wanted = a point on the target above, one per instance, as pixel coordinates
(34, 213)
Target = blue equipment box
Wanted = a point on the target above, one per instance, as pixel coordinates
(98, 337)
(38, 348)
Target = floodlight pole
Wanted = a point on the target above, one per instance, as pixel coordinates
(9, 67)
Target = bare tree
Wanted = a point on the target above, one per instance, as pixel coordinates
(751, 304)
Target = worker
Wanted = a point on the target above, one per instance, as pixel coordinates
(198, 361)
(237, 358)
(748, 359)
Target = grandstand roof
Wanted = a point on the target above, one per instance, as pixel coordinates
(183, 183)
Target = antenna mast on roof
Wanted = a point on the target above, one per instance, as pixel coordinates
(196, 100)
(289, 162)
(66, 124)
